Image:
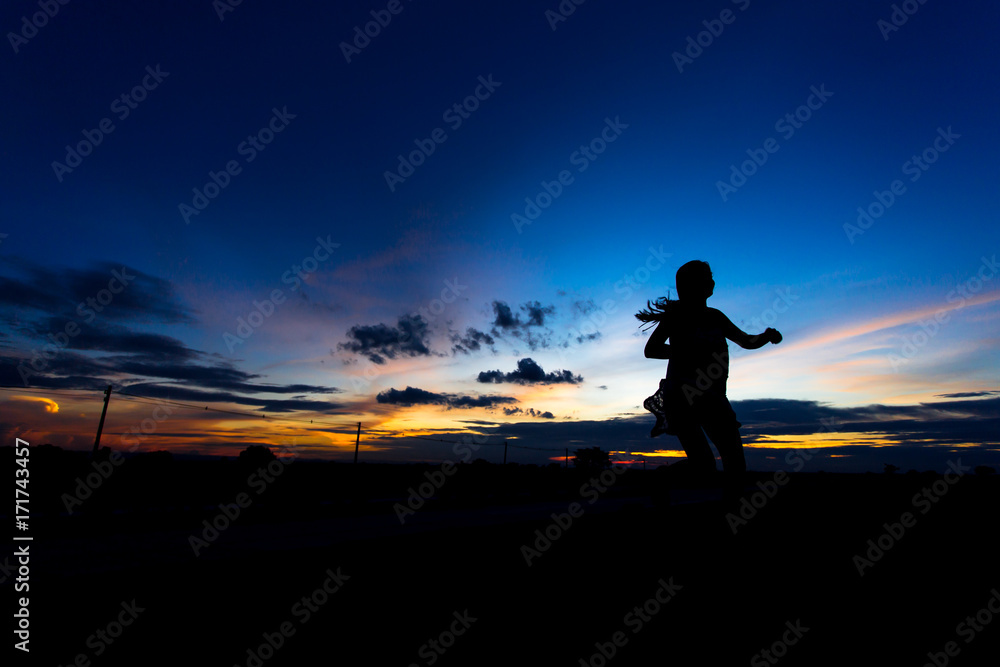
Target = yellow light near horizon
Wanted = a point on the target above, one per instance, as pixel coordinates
(819, 440)
(424, 423)
(668, 453)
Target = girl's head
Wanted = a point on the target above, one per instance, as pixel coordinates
(694, 286)
(694, 281)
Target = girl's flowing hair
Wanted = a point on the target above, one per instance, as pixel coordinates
(655, 311)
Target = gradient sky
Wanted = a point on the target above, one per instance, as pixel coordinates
(520, 331)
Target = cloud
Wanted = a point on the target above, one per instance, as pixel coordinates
(46, 298)
(531, 330)
(584, 306)
(410, 396)
(529, 372)
(584, 338)
(530, 412)
(504, 319)
(193, 395)
(103, 301)
(537, 313)
(380, 342)
(472, 341)
(141, 357)
(218, 376)
(968, 394)
(490, 401)
(832, 335)
(121, 340)
(141, 354)
(413, 396)
(145, 356)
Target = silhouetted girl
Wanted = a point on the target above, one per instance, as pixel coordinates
(692, 398)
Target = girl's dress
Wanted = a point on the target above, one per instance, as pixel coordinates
(655, 405)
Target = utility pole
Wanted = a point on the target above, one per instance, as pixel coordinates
(567, 458)
(505, 452)
(357, 443)
(100, 426)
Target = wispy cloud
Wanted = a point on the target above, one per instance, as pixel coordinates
(841, 334)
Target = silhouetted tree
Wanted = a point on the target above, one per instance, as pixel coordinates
(592, 458)
(256, 456)
(985, 470)
(890, 469)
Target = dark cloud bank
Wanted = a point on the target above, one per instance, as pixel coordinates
(78, 327)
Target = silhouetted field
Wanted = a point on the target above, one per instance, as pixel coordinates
(507, 565)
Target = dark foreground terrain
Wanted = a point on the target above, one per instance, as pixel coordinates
(827, 569)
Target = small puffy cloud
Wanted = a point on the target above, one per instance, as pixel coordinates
(411, 396)
(414, 396)
(472, 341)
(537, 313)
(490, 401)
(504, 317)
(584, 338)
(530, 412)
(531, 329)
(380, 341)
(529, 372)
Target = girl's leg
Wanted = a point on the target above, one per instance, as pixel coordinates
(730, 445)
(700, 459)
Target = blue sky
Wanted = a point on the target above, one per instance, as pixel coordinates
(868, 100)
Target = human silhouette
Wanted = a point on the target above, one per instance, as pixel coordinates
(691, 401)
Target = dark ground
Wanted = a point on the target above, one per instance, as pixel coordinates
(404, 584)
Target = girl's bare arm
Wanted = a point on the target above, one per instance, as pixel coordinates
(657, 346)
(748, 342)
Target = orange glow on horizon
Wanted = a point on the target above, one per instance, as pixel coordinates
(666, 453)
(819, 441)
(839, 439)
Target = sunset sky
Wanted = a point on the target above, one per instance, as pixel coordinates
(445, 226)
